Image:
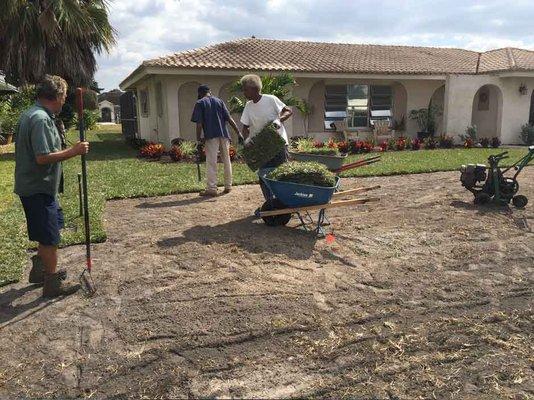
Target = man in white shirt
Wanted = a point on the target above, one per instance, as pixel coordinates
(260, 110)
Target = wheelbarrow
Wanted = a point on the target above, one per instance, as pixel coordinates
(286, 199)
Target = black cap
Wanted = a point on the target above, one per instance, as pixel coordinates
(203, 89)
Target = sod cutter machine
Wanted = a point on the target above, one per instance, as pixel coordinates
(490, 183)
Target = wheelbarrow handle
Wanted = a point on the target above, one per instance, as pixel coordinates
(359, 163)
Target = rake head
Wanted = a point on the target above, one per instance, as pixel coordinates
(87, 283)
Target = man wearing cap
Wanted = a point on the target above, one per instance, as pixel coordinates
(211, 115)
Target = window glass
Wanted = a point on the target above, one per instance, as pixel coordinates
(357, 104)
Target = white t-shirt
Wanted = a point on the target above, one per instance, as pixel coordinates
(257, 115)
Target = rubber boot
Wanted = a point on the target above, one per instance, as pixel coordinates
(37, 272)
(54, 286)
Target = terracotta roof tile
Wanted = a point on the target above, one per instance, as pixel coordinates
(274, 55)
(283, 55)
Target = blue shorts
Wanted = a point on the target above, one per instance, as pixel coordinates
(44, 218)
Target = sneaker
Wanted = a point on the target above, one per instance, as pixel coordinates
(54, 286)
(208, 193)
(37, 272)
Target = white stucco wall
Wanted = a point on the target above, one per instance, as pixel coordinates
(456, 98)
(109, 105)
(487, 120)
(460, 92)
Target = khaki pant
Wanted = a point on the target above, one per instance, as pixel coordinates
(212, 148)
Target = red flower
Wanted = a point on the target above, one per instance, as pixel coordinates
(152, 150)
(384, 145)
(318, 144)
(233, 153)
(343, 146)
(468, 143)
(401, 143)
(331, 144)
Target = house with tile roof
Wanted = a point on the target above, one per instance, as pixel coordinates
(353, 83)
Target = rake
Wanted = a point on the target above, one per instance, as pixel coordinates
(86, 280)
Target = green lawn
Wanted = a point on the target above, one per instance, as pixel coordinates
(115, 172)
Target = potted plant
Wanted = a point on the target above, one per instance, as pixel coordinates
(426, 120)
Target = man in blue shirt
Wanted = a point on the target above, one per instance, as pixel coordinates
(211, 115)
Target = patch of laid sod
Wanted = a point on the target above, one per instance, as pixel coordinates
(115, 172)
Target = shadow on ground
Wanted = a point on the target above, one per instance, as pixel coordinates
(249, 236)
(13, 308)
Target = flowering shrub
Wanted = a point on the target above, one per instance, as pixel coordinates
(233, 153)
(355, 147)
(401, 143)
(331, 144)
(176, 153)
(495, 142)
(430, 143)
(416, 144)
(152, 150)
(367, 146)
(468, 143)
(343, 146)
(484, 142)
(446, 142)
(392, 144)
(318, 144)
(384, 146)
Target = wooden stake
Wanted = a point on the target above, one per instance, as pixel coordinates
(357, 190)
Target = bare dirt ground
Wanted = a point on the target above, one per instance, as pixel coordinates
(421, 296)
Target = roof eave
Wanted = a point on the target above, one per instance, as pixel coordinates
(136, 75)
(169, 70)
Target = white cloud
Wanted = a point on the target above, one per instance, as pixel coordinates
(153, 28)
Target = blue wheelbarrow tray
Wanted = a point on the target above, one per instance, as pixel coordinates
(295, 195)
(333, 163)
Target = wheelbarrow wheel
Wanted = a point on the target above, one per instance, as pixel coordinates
(519, 201)
(275, 220)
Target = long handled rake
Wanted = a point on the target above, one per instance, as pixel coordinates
(86, 280)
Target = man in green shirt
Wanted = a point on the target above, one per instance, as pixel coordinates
(38, 156)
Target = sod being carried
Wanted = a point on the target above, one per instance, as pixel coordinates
(304, 173)
(263, 147)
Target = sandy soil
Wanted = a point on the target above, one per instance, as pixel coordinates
(420, 296)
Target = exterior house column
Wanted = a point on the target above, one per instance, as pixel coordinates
(302, 91)
(458, 104)
(173, 122)
(418, 95)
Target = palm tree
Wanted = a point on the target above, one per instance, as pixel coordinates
(60, 37)
(277, 85)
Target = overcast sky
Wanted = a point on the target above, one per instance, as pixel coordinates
(152, 28)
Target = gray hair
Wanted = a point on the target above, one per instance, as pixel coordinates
(52, 87)
(251, 80)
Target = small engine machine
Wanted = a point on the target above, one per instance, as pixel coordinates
(490, 183)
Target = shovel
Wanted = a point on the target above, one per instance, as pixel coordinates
(86, 280)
